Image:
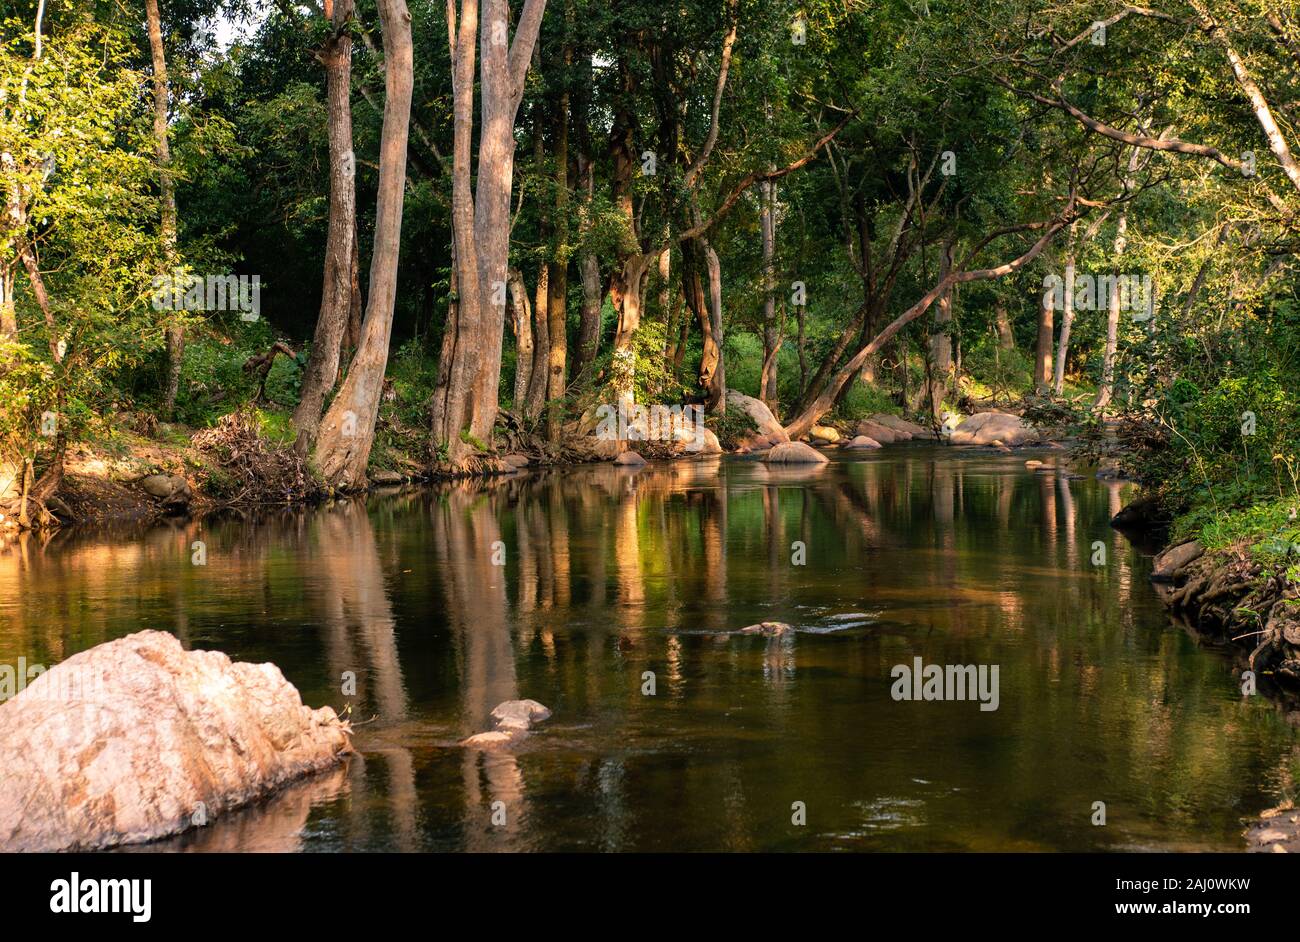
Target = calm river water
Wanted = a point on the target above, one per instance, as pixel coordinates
(956, 558)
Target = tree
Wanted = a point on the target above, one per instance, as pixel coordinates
(340, 252)
(465, 401)
(348, 430)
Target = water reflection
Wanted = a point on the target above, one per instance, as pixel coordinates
(574, 587)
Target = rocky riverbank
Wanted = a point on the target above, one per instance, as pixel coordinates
(1227, 598)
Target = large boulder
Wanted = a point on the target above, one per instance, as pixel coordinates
(987, 428)
(824, 433)
(138, 738)
(794, 453)
(899, 424)
(881, 433)
(706, 444)
(760, 414)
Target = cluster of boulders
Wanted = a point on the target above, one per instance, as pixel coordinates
(769, 441)
(136, 739)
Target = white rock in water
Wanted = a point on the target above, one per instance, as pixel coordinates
(138, 738)
(519, 714)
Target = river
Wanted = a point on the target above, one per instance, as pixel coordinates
(580, 588)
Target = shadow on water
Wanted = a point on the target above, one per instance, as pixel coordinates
(582, 587)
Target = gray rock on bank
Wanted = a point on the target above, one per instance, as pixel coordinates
(760, 414)
(138, 738)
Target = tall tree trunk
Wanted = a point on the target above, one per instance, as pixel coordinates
(1043, 346)
(558, 290)
(464, 411)
(522, 318)
(347, 432)
(538, 383)
(771, 336)
(1006, 339)
(336, 293)
(8, 316)
(717, 386)
(1067, 317)
(940, 373)
(589, 270)
(1106, 390)
(167, 189)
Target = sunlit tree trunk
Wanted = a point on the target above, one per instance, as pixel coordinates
(167, 190)
(771, 336)
(1067, 319)
(348, 430)
(521, 315)
(465, 405)
(337, 292)
(1043, 346)
(941, 342)
(558, 290)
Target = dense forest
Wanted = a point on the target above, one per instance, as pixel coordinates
(370, 237)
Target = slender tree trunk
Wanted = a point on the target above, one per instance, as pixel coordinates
(1006, 339)
(589, 270)
(167, 189)
(336, 295)
(1043, 347)
(347, 432)
(941, 342)
(1067, 318)
(558, 290)
(1106, 391)
(522, 318)
(717, 387)
(8, 316)
(771, 335)
(538, 383)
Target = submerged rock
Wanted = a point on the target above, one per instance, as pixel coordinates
(138, 738)
(768, 628)
(629, 459)
(794, 453)
(863, 441)
(512, 719)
